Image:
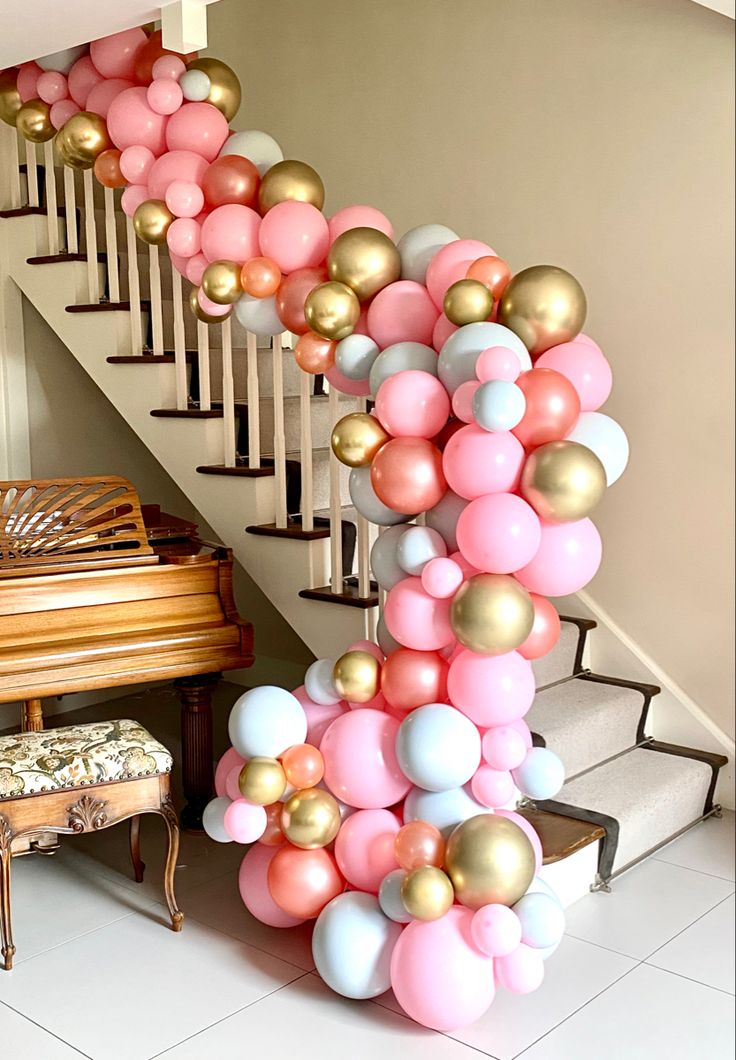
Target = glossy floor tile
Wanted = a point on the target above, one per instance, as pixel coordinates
(19, 1038)
(705, 950)
(710, 848)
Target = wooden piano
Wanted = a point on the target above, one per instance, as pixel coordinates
(90, 597)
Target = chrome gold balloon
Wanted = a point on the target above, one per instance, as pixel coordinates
(310, 818)
(262, 781)
(82, 138)
(151, 221)
(200, 314)
(467, 302)
(490, 861)
(563, 481)
(332, 310)
(427, 893)
(221, 282)
(491, 614)
(290, 180)
(544, 306)
(33, 121)
(357, 675)
(356, 439)
(365, 259)
(225, 91)
(10, 101)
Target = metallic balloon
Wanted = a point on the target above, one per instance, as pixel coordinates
(365, 259)
(357, 676)
(311, 818)
(563, 481)
(290, 180)
(491, 614)
(33, 121)
(10, 101)
(200, 314)
(151, 221)
(467, 302)
(544, 306)
(490, 861)
(82, 138)
(225, 92)
(221, 282)
(262, 781)
(332, 310)
(356, 439)
(427, 893)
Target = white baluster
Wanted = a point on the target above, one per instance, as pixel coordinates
(52, 219)
(254, 402)
(203, 359)
(134, 290)
(333, 405)
(305, 420)
(180, 340)
(228, 394)
(111, 246)
(157, 319)
(11, 137)
(279, 436)
(364, 562)
(31, 174)
(90, 231)
(70, 211)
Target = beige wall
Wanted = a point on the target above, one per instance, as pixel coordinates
(593, 134)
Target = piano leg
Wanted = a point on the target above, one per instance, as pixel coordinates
(196, 739)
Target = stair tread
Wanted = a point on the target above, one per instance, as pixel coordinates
(560, 836)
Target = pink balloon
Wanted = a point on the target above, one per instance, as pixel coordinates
(195, 268)
(361, 768)
(101, 96)
(132, 197)
(114, 56)
(82, 79)
(213, 308)
(253, 884)
(136, 164)
(497, 362)
(442, 331)
(492, 787)
(62, 111)
(528, 830)
(244, 822)
(585, 366)
(319, 716)
(52, 87)
(496, 930)
(491, 689)
(184, 198)
(402, 312)
(164, 95)
(369, 646)
(170, 66)
(197, 127)
(503, 747)
(175, 165)
(568, 557)
(232, 784)
(524, 731)
(27, 81)
(438, 974)
(229, 760)
(441, 577)
(295, 235)
(333, 375)
(415, 619)
(130, 121)
(498, 533)
(359, 217)
(520, 972)
(231, 233)
(184, 237)
(462, 401)
(477, 462)
(451, 263)
(364, 848)
(412, 404)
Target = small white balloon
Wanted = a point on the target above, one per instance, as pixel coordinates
(438, 748)
(542, 920)
(352, 945)
(355, 355)
(417, 547)
(384, 557)
(213, 820)
(195, 85)
(389, 897)
(444, 809)
(64, 60)
(258, 315)
(366, 500)
(498, 405)
(444, 516)
(265, 721)
(540, 775)
(259, 147)
(319, 685)
(606, 438)
(419, 245)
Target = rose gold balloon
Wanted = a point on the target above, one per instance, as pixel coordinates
(292, 294)
(151, 51)
(552, 407)
(412, 678)
(407, 475)
(273, 836)
(314, 354)
(494, 273)
(231, 179)
(107, 169)
(419, 843)
(302, 882)
(303, 765)
(260, 277)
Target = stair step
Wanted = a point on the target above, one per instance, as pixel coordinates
(187, 414)
(565, 659)
(240, 470)
(105, 307)
(293, 530)
(151, 358)
(561, 836)
(29, 211)
(350, 595)
(61, 259)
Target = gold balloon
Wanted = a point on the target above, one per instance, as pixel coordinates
(225, 91)
(151, 221)
(10, 101)
(490, 861)
(33, 122)
(221, 282)
(310, 818)
(365, 259)
(491, 614)
(290, 180)
(200, 314)
(563, 481)
(332, 310)
(544, 306)
(427, 893)
(82, 138)
(467, 301)
(356, 439)
(262, 781)
(356, 675)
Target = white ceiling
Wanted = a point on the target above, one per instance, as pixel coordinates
(723, 7)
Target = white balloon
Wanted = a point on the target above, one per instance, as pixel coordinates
(389, 896)
(319, 685)
(417, 547)
(384, 557)
(259, 147)
(457, 359)
(402, 357)
(444, 809)
(542, 920)
(354, 356)
(419, 245)
(64, 60)
(366, 501)
(386, 642)
(438, 748)
(265, 721)
(213, 820)
(540, 886)
(352, 945)
(444, 516)
(498, 405)
(606, 438)
(258, 315)
(195, 85)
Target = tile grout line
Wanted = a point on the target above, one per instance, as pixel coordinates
(46, 1030)
(74, 938)
(689, 868)
(405, 1016)
(687, 928)
(688, 979)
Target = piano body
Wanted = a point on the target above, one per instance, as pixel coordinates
(92, 598)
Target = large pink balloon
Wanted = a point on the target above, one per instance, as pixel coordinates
(442, 331)
(491, 689)
(197, 127)
(102, 95)
(253, 883)
(294, 235)
(364, 848)
(52, 87)
(477, 462)
(359, 217)
(412, 404)
(114, 56)
(230, 760)
(438, 974)
(585, 366)
(568, 556)
(83, 77)
(451, 263)
(27, 81)
(175, 165)
(333, 375)
(402, 312)
(319, 716)
(136, 164)
(498, 533)
(130, 121)
(231, 232)
(415, 619)
(361, 768)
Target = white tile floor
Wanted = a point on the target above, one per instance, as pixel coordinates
(645, 973)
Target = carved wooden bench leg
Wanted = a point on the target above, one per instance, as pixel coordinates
(7, 949)
(196, 738)
(168, 812)
(135, 848)
(32, 716)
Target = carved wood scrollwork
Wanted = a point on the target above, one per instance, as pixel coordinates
(87, 814)
(168, 811)
(6, 836)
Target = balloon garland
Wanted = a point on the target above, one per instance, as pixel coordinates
(379, 796)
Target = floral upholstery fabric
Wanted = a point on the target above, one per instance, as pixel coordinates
(77, 755)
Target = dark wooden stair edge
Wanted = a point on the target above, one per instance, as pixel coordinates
(106, 307)
(150, 358)
(349, 596)
(30, 211)
(240, 470)
(560, 835)
(184, 414)
(62, 258)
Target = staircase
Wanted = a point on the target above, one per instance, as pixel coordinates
(245, 435)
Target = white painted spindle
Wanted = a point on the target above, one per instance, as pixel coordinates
(279, 434)
(134, 290)
(254, 402)
(157, 318)
(180, 341)
(333, 405)
(228, 394)
(52, 218)
(111, 247)
(31, 174)
(203, 361)
(364, 562)
(70, 211)
(11, 137)
(90, 235)
(307, 473)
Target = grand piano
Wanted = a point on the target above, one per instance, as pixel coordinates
(96, 592)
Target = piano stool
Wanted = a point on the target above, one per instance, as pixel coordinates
(76, 779)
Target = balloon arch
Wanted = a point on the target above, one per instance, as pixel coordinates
(379, 795)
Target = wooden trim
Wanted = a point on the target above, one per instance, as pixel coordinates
(103, 307)
(241, 470)
(293, 530)
(29, 211)
(61, 259)
(560, 836)
(149, 358)
(611, 827)
(349, 596)
(192, 414)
